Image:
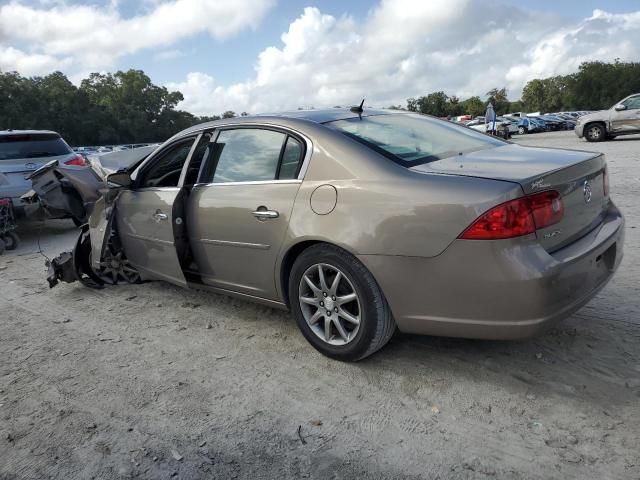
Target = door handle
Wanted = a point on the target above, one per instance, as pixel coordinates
(263, 214)
(159, 216)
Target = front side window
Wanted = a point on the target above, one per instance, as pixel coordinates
(32, 145)
(167, 167)
(246, 154)
(632, 103)
(413, 139)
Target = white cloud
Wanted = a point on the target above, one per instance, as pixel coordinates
(95, 36)
(406, 48)
(165, 55)
(401, 48)
(30, 64)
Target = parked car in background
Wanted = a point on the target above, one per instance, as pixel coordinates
(24, 151)
(530, 125)
(501, 123)
(621, 119)
(360, 222)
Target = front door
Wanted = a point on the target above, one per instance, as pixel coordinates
(239, 211)
(149, 215)
(627, 120)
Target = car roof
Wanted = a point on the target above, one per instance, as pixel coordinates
(330, 114)
(314, 116)
(27, 132)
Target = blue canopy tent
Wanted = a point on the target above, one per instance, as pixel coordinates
(490, 117)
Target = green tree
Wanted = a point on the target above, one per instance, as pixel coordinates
(473, 106)
(498, 98)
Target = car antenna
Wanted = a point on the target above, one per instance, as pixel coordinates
(358, 109)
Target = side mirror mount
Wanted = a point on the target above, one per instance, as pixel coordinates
(120, 179)
(620, 107)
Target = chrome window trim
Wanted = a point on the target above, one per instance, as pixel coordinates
(228, 243)
(305, 161)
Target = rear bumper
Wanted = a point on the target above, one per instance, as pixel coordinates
(505, 289)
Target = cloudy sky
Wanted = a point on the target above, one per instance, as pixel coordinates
(266, 55)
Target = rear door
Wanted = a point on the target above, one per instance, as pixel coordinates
(239, 211)
(627, 120)
(149, 215)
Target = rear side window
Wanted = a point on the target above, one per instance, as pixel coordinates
(245, 155)
(412, 139)
(291, 159)
(35, 145)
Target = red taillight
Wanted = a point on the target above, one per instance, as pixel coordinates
(605, 181)
(547, 208)
(517, 217)
(78, 161)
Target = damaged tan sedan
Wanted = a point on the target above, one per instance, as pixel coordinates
(359, 222)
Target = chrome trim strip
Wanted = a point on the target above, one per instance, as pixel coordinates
(253, 182)
(227, 243)
(157, 189)
(149, 239)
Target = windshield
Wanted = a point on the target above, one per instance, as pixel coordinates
(32, 146)
(412, 139)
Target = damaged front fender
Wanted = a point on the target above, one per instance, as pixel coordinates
(75, 265)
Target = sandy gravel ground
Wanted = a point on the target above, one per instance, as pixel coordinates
(151, 381)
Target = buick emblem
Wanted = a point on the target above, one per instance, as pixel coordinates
(587, 191)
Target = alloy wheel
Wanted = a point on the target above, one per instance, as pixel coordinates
(594, 133)
(329, 304)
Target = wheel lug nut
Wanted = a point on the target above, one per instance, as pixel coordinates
(333, 297)
(324, 294)
(322, 304)
(335, 309)
(328, 313)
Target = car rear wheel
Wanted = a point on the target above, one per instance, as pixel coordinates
(595, 132)
(2, 246)
(338, 305)
(11, 240)
(521, 130)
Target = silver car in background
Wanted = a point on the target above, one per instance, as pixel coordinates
(621, 119)
(24, 151)
(361, 222)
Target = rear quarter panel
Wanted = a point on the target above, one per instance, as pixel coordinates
(383, 208)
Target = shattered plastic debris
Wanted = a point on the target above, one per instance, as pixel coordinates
(61, 268)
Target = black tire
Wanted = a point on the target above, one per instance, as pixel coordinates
(2, 246)
(11, 240)
(595, 132)
(77, 222)
(376, 322)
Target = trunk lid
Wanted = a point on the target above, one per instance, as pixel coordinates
(577, 175)
(13, 172)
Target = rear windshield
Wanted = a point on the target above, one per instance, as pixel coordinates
(412, 139)
(32, 146)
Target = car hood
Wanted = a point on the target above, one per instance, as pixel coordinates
(509, 162)
(600, 115)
